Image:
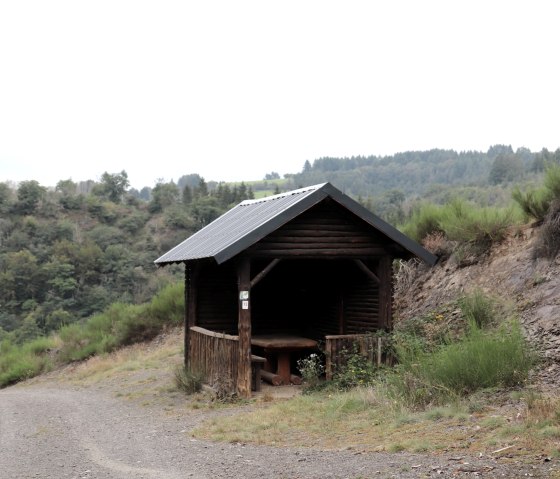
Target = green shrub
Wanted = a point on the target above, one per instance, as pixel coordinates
(482, 360)
(39, 345)
(119, 324)
(424, 221)
(22, 362)
(168, 306)
(356, 371)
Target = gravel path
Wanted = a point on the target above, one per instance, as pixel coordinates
(66, 433)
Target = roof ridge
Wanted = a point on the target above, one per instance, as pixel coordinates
(283, 195)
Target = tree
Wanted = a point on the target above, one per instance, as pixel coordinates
(68, 199)
(201, 190)
(191, 180)
(205, 210)
(113, 186)
(505, 167)
(496, 150)
(5, 197)
(187, 195)
(29, 194)
(273, 175)
(163, 195)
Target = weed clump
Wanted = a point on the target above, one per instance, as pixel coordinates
(187, 380)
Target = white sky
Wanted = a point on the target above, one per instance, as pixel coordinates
(235, 89)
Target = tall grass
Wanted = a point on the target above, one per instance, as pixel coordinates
(120, 324)
(536, 202)
(479, 309)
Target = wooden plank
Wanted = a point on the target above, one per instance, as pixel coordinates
(313, 232)
(318, 252)
(244, 330)
(324, 239)
(214, 334)
(318, 226)
(263, 245)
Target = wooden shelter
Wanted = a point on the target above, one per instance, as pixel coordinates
(310, 263)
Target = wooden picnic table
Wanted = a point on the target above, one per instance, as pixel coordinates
(282, 346)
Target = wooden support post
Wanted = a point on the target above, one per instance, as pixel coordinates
(328, 359)
(244, 328)
(385, 274)
(191, 280)
(340, 313)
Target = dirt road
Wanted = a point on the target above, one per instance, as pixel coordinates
(85, 433)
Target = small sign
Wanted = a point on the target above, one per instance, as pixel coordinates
(244, 304)
(243, 295)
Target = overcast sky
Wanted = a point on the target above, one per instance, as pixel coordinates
(235, 89)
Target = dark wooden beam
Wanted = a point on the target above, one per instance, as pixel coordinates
(244, 328)
(360, 264)
(316, 252)
(264, 272)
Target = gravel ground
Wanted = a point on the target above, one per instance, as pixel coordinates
(84, 433)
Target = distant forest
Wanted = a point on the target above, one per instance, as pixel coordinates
(70, 251)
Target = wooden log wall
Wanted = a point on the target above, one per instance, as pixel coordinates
(326, 230)
(216, 356)
(361, 307)
(338, 347)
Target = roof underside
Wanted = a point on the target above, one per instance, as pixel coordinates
(252, 220)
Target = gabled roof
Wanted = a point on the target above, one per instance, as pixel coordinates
(252, 220)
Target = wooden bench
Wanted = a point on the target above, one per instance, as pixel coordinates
(257, 363)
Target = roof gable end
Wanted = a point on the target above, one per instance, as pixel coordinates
(252, 220)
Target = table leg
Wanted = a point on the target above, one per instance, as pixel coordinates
(284, 366)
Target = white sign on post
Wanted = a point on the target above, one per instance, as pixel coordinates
(243, 295)
(244, 304)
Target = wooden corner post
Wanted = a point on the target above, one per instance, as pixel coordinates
(191, 280)
(244, 328)
(385, 274)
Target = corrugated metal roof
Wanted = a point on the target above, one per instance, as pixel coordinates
(251, 220)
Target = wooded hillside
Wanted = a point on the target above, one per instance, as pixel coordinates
(68, 252)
